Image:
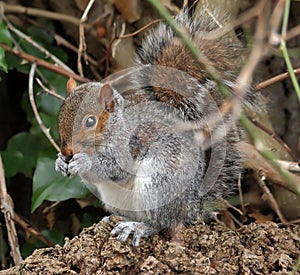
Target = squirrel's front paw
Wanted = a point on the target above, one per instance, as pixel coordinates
(80, 163)
(61, 164)
(137, 229)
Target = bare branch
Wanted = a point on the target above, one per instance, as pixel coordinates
(34, 108)
(82, 44)
(43, 63)
(275, 79)
(38, 46)
(255, 161)
(38, 13)
(51, 92)
(268, 196)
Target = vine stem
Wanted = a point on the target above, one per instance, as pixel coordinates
(284, 49)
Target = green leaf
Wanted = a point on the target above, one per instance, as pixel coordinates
(50, 104)
(5, 36)
(3, 65)
(91, 217)
(39, 35)
(15, 62)
(21, 154)
(53, 186)
(50, 122)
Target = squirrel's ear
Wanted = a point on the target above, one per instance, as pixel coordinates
(105, 98)
(71, 85)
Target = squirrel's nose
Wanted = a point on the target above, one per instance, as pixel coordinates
(66, 148)
(66, 151)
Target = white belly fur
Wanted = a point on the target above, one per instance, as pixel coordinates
(133, 195)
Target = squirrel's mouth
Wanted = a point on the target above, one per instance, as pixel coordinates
(66, 158)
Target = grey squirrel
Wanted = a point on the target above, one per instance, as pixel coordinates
(138, 149)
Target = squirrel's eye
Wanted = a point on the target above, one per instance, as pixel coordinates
(90, 122)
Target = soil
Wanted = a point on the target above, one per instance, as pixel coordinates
(200, 249)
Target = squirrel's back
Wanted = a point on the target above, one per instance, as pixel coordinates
(163, 47)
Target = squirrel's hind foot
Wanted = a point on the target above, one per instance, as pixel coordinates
(138, 229)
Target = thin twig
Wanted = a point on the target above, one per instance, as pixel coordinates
(45, 130)
(3, 258)
(273, 135)
(244, 79)
(256, 161)
(284, 50)
(228, 27)
(82, 44)
(241, 195)
(275, 79)
(44, 64)
(62, 41)
(51, 92)
(290, 166)
(39, 13)
(108, 51)
(268, 196)
(292, 33)
(115, 45)
(275, 22)
(291, 222)
(287, 177)
(7, 207)
(38, 46)
(31, 230)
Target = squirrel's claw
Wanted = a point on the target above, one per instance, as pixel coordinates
(137, 229)
(80, 163)
(61, 164)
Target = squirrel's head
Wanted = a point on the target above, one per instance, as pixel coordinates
(83, 116)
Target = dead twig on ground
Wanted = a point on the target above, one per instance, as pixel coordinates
(31, 230)
(7, 207)
(255, 161)
(275, 136)
(268, 196)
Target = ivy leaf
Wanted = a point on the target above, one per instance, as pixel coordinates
(53, 186)
(21, 154)
(5, 36)
(3, 65)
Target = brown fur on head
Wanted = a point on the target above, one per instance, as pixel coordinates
(84, 115)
